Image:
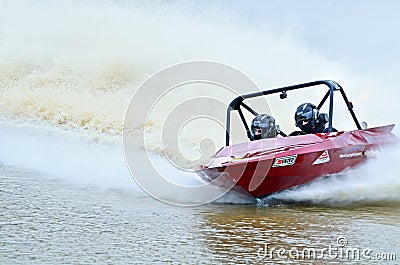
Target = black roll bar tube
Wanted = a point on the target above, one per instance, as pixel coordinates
(332, 85)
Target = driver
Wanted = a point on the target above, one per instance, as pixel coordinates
(262, 127)
(309, 120)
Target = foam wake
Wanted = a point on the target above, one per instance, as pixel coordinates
(376, 181)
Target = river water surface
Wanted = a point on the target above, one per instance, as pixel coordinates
(44, 220)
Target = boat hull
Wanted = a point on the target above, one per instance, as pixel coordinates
(267, 166)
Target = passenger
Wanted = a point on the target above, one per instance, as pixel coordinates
(262, 127)
(309, 120)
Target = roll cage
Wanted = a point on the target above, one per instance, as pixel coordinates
(237, 104)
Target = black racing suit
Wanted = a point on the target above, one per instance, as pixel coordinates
(320, 127)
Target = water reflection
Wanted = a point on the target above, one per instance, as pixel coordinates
(237, 233)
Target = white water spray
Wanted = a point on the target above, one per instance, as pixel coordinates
(74, 66)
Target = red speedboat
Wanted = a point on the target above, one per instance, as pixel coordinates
(266, 166)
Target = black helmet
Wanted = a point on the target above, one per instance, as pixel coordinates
(263, 126)
(306, 117)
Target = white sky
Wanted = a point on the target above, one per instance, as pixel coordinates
(364, 33)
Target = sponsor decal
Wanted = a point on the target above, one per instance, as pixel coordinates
(323, 158)
(351, 155)
(284, 161)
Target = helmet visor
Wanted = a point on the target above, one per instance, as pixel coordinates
(307, 116)
(257, 130)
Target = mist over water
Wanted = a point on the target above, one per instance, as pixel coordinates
(64, 154)
(73, 66)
